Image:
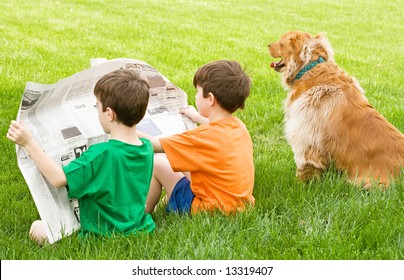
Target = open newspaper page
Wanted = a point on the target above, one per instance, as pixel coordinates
(63, 119)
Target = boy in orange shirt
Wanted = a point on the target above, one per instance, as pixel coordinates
(209, 167)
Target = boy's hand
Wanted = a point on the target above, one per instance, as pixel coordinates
(193, 114)
(19, 134)
(190, 112)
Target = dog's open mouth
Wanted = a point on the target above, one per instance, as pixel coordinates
(277, 65)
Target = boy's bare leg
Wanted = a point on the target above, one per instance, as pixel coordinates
(37, 232)
(188, 175)
(154, 194)
(163, 177)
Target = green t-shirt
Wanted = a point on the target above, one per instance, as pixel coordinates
(111, 181)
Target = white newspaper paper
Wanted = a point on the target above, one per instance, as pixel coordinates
(63, 119)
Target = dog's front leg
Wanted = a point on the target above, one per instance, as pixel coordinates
(311, 165)
(308, 172)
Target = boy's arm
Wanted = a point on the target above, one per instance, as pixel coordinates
(191, 113)
(20, 135)
(155, 141)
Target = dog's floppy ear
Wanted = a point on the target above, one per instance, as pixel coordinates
(303, 46)
(297, 42)
(322, 48)
(307, 51)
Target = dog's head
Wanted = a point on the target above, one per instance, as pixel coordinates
(297, 49)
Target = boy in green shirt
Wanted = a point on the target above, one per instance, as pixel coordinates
(111, 180)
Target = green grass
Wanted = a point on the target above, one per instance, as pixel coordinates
(44, 41)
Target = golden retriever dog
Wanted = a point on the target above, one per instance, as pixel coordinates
(328, 119)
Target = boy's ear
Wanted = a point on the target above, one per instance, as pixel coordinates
(111, 114)
(212, 99)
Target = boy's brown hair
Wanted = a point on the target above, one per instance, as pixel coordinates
(227, 81)
(126, 93)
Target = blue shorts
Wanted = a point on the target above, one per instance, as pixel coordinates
(181, 197)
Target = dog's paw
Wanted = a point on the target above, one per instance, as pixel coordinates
(308, 172)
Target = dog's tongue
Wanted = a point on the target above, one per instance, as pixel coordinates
(274, 64)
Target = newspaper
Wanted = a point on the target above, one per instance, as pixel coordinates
(63, 119)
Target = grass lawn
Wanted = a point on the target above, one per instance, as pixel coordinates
(44, 41)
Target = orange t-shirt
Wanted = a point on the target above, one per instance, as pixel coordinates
(219, 157)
